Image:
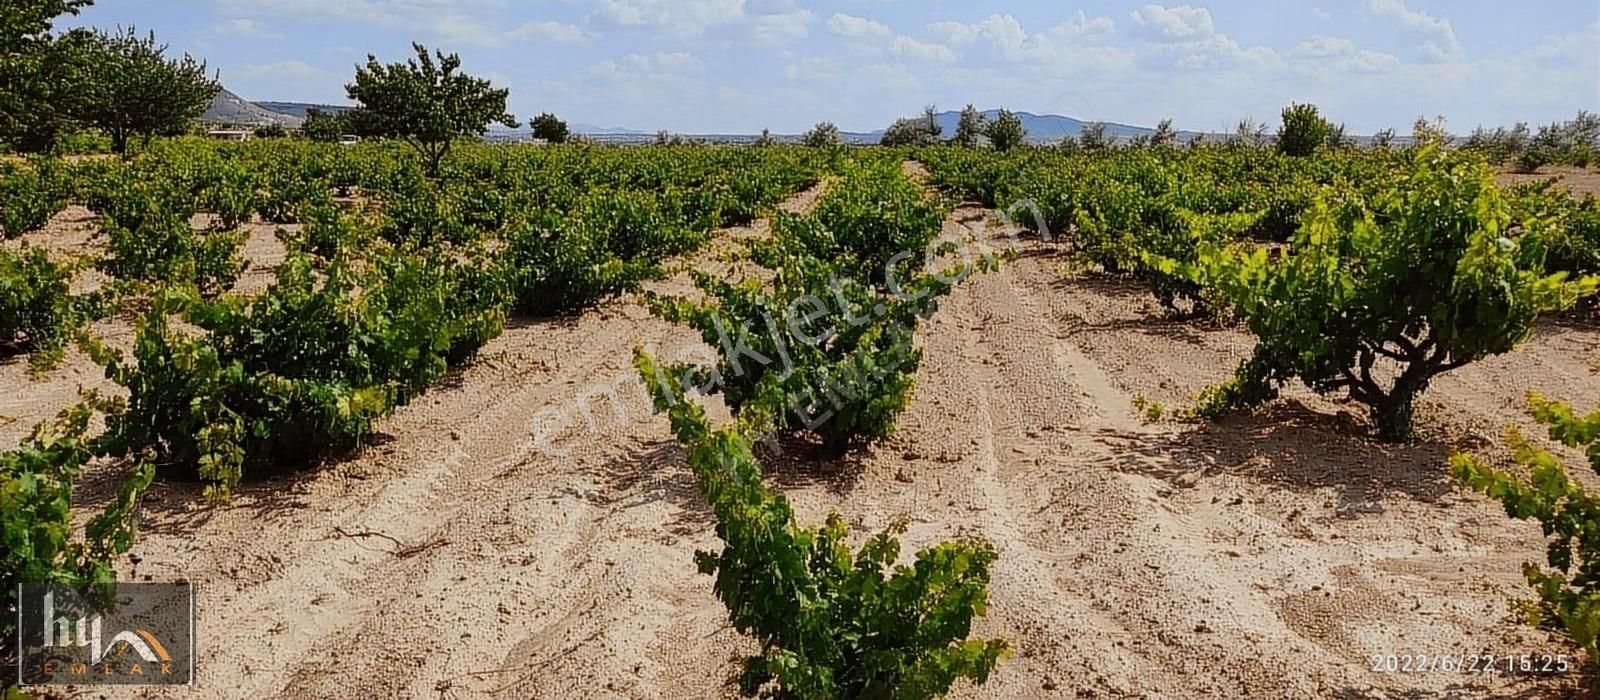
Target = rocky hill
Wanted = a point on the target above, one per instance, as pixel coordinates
(229, 109)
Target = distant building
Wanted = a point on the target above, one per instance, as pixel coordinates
(230, 135)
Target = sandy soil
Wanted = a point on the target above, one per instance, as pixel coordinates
(1581, 181)
(1269, 555)
(75, 234)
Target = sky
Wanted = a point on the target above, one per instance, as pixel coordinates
(738, 66)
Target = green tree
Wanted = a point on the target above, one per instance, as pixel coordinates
(36, 91)
(427, 103)
(1164, 135)
(550, 128)
(1249, 134)
(322, 126)
(131, 89)
(970, 127)
(1303, 130)
(920, 131)
(823, 135)
(1428, 276)
(1093, 137)
(1006, 132)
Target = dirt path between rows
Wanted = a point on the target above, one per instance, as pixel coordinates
(1269, 555)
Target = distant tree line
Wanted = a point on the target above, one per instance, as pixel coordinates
(124, 85)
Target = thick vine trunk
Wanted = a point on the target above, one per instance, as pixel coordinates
(1393, 412)
(1393, 416)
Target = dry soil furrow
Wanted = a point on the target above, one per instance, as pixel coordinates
(459, 554)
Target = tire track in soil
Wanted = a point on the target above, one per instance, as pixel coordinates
(517, 574)
(1159, 561)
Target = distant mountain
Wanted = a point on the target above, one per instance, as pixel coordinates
(300, 109)
(232, 110)
(1040, 127)
(592, 129)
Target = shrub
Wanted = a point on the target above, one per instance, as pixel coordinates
(823, 135)
(37, 543)
(29, 196)
(920, 131)
(970, 127)
(164, 249)
(1094, 137)
(832, 347)
(1006, 132)
(1573, 225)
(425, 213)
(1428, 275)
(1303, 131)
(873, 221)
(37, 314)
(610, 243)
(832, 623)
(1569, 587)
(234, 195)
(550, 128)
(307, 367)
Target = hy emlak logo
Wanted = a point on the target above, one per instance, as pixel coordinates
(87, 632)
(145, 638)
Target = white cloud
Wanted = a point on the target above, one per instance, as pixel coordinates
(817, 68)
(462, 29)
(677, 62)
(1082, 25)
(388, 11)
(241, 27)
(1003, 32)
(656, 66)
(1442, 44)
(1178, 22)
(1008, 38)
(764, 22)
(857, 27)
(552, 32)
(688, 17)
(892, 78)
(907, 47)
(1323, 47)
(1219, 51)
(778, 21)
(1336, 54)
(1568, 50)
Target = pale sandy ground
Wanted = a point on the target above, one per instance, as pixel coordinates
(1267, 556)
(1581, 181)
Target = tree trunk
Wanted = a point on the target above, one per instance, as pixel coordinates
(1393, 413)
(1393, 417)
(436, 153)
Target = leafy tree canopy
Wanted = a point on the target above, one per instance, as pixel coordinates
(427, 102)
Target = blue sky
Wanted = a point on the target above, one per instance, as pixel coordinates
(744, 65)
